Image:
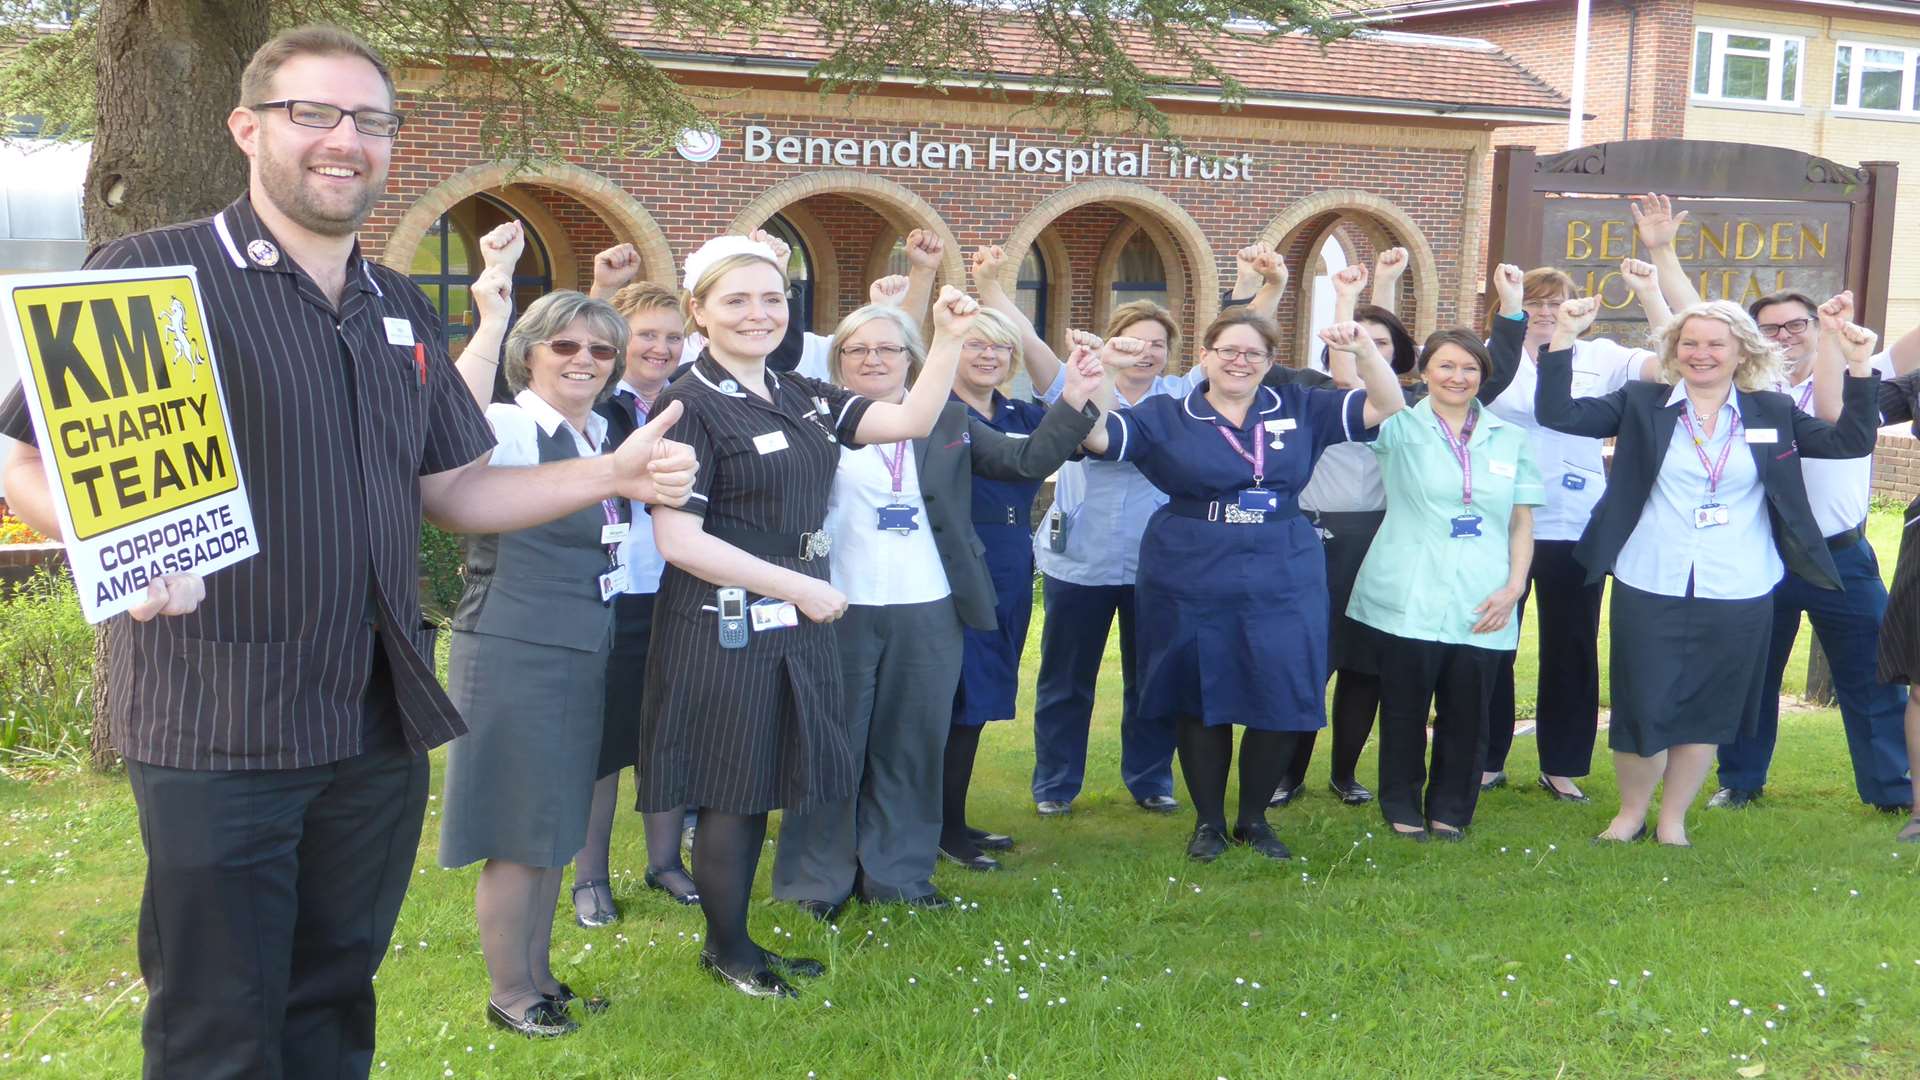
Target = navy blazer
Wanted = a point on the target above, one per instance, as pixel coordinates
(1639, 416)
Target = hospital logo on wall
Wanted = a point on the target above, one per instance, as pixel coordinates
(698, 146)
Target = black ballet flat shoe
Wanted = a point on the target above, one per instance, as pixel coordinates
(799, 967)
(932, 901)
(1418, 836)
(978, 862)
(688, 897)
(1499, 781)
(542, 1020)
(600, 914)
(1207, 844)
(595, 1005)
(1447, 835)
(1283, 794)
(1638, 835)
(990, 841)
(1260, 838)
(1547, 786)
(822, 910)
(1350, 792)
(761, 984)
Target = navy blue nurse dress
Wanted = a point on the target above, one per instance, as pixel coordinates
(1003, 519)
(1232, 618)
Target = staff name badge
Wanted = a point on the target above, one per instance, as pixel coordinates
(1502, 468)
(1763, 435)
(771, 614)
(614, 533)
(399, 332)
(771, 442)
(613, 582)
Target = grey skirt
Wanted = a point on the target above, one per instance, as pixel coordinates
(520, 781)
(1685, 669)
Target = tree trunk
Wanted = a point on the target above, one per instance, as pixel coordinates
(1819, 677)
(168, 73)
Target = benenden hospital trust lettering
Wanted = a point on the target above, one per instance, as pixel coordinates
(1008, 155)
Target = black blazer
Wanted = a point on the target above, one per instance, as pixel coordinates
(1638, 414)
(961, 447)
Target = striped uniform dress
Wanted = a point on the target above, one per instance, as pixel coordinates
(762, 727)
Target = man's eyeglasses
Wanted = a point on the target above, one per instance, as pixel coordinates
(565, 347)
(319, 114)
(1795, 327)
(884, 352)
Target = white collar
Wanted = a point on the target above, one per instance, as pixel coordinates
(1199, 393)
(549, 418)
(1680, 392)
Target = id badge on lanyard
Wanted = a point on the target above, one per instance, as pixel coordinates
(897, 516)
(613, 581)
(1466, 524)
(1711, 513)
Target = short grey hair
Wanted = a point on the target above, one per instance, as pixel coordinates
(550, 315)
(909, 335)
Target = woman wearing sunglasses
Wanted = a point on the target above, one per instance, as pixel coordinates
(529, 656)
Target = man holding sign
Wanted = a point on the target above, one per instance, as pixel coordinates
(275, 722)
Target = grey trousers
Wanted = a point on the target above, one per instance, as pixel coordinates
(900, 664)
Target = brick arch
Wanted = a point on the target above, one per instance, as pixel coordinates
(1109, 265)
(1199, 287)
(898, 204)
(1384, 224)
(629, 220)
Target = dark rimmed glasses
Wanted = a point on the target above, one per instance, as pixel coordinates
(318, 114)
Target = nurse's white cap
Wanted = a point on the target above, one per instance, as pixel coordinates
(721, 247)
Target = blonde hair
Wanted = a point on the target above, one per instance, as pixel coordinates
(1545, 283)
(909, 336)
(1000, 330)
(1761, 365)
(642, 297)
(1145, 311)
(721, 268)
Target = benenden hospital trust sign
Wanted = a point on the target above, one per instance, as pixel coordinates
(1001, 154)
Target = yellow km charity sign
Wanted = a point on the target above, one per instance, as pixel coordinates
(124, 381)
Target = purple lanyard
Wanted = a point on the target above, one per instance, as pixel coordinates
(896, 465)
(1258, 459)
(1461, 452)
(611, 508)
(1806, 395)
(1714, 468)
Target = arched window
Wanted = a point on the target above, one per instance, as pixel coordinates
(448, 259)
(1140, 274)
(799, 270)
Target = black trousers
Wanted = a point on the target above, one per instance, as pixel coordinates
(270, 899)
(1456, 681)
(1567, 709)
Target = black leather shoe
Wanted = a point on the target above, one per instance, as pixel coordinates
(1261, 839)
(762, 984)
(799, 967)
(990, 841)
(1206, 845)
(1893, 808)
(1284, 794)
(1547, 786)
(542, 1020)
(1729, 798)
(689, 897)
(1351, 792)
(1499, 781)
(980, 862)
(820, 909)
(599, 914)
(566, 997)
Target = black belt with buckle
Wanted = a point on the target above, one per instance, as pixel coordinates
(772, 545)
(1844, 540)
(1001, 515)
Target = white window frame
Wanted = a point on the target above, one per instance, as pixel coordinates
(1858, 66)
(1776, 59)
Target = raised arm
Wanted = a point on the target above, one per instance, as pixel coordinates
(1262, 274)
(1351, 342)
(1553, 402)
(1852, 435)
(1829, 357)
(492, 294)
(987, 265)
(614, 269)
(1657, 224)
(914, 418)
(924, 251)
(1508, 341)
(1388, 267)
(1348, 283)
(1644, 279)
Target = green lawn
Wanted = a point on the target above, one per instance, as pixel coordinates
(1524, 952)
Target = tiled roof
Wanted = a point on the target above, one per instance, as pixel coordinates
(1442, 74)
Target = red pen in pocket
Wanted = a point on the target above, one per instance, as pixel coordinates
(420, 360)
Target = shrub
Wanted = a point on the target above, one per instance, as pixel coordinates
(15, 531)
(441, 579)
(46, 673)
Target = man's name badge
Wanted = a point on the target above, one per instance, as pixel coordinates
(613, 583)
(1260, 500)
(771, 614)
(399, 332)
(1465, 525)
(898, 518)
